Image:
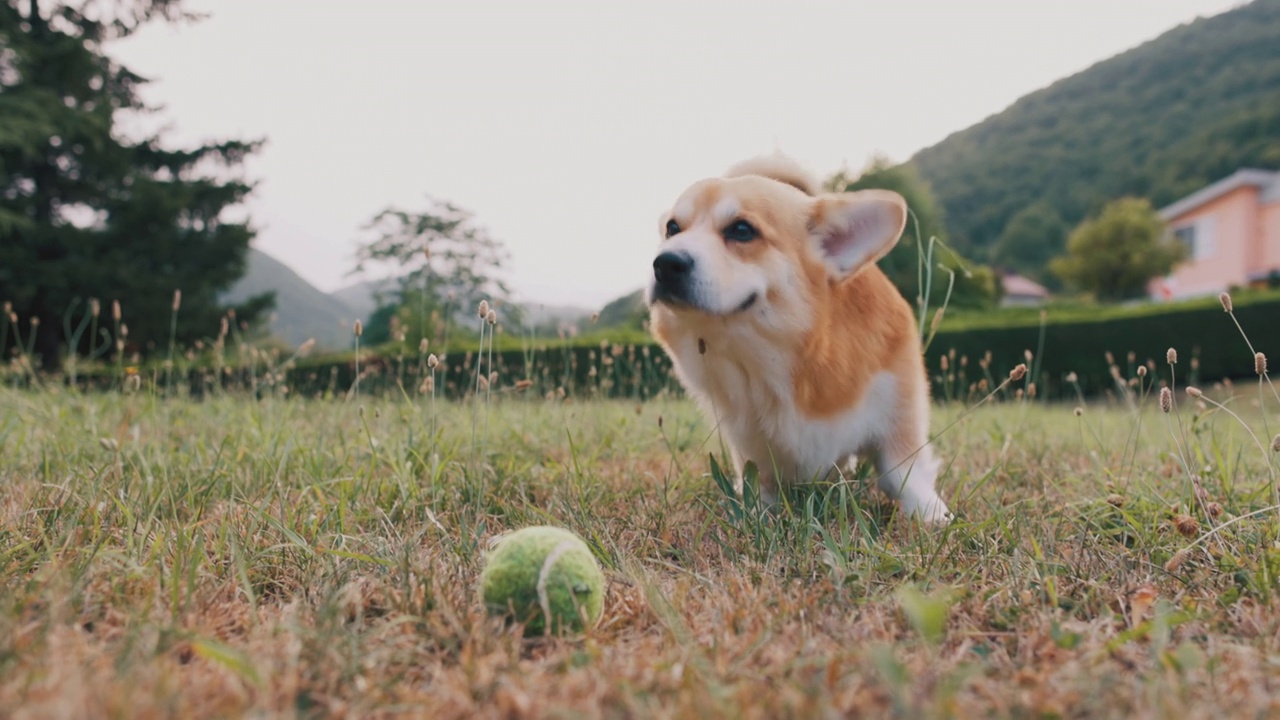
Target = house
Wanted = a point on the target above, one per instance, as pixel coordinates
(1021, 291)
(1232, 232)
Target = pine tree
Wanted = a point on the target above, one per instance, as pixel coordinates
(86, 212)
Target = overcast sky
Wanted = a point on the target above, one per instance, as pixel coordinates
(568, 127)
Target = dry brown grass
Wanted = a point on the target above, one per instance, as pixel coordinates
(307, 559)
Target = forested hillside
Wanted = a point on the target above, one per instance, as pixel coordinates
(302, 311)
(1158, 121)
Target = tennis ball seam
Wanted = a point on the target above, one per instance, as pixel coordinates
(561, 548)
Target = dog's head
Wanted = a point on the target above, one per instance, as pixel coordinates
(763, 238)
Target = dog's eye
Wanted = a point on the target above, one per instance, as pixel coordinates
(673, 228)
(740, 231)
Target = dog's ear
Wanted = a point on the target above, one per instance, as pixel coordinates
(851, 230)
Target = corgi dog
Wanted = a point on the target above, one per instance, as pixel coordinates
(766, 295)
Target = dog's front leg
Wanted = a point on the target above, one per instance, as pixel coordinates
(767, 485)
(908, 475)
(764, 472)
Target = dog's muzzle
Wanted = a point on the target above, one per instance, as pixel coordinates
(673, 277)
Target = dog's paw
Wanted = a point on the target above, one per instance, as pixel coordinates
(931, 510)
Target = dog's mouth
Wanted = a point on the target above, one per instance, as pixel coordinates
(746, 304)
(681, 303)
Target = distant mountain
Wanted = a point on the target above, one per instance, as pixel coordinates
(1158, 121)
(302, 311)
(538, 313)
(362, 296)
(626, 311)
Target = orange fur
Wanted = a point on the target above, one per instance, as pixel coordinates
(863, 326)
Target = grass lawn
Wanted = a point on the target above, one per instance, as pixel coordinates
(307, 558)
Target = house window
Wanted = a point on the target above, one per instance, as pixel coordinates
(1197, 237)
(1187, 236)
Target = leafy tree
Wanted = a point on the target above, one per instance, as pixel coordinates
(86, 213)
(1033, 237)
(447, 263)
(974, 286)
(1115, 255)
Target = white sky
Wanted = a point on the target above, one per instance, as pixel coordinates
(568, 127)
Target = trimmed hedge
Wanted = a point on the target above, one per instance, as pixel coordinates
(603, 370)
(1210, 347)
(1075, 340)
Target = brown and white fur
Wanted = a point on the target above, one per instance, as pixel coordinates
(766, 295)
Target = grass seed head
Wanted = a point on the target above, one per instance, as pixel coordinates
(1275, 443)
(432, 361)
(1142, 371)
(1177, 560)
(1260, 363)
(1171, 356)
(1186, 525)
(1193, 392)
(422, 345)
(1225, 299)
(95, 308)
(1018, 372)
(484, 309)
(1166, 399)
(1079, 411)
(359, 328)
(177, 300)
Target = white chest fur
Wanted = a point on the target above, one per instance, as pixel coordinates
(751, 397)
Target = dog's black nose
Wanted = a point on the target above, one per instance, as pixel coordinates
(672, 267)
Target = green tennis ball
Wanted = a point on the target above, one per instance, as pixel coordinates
(546, 578)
